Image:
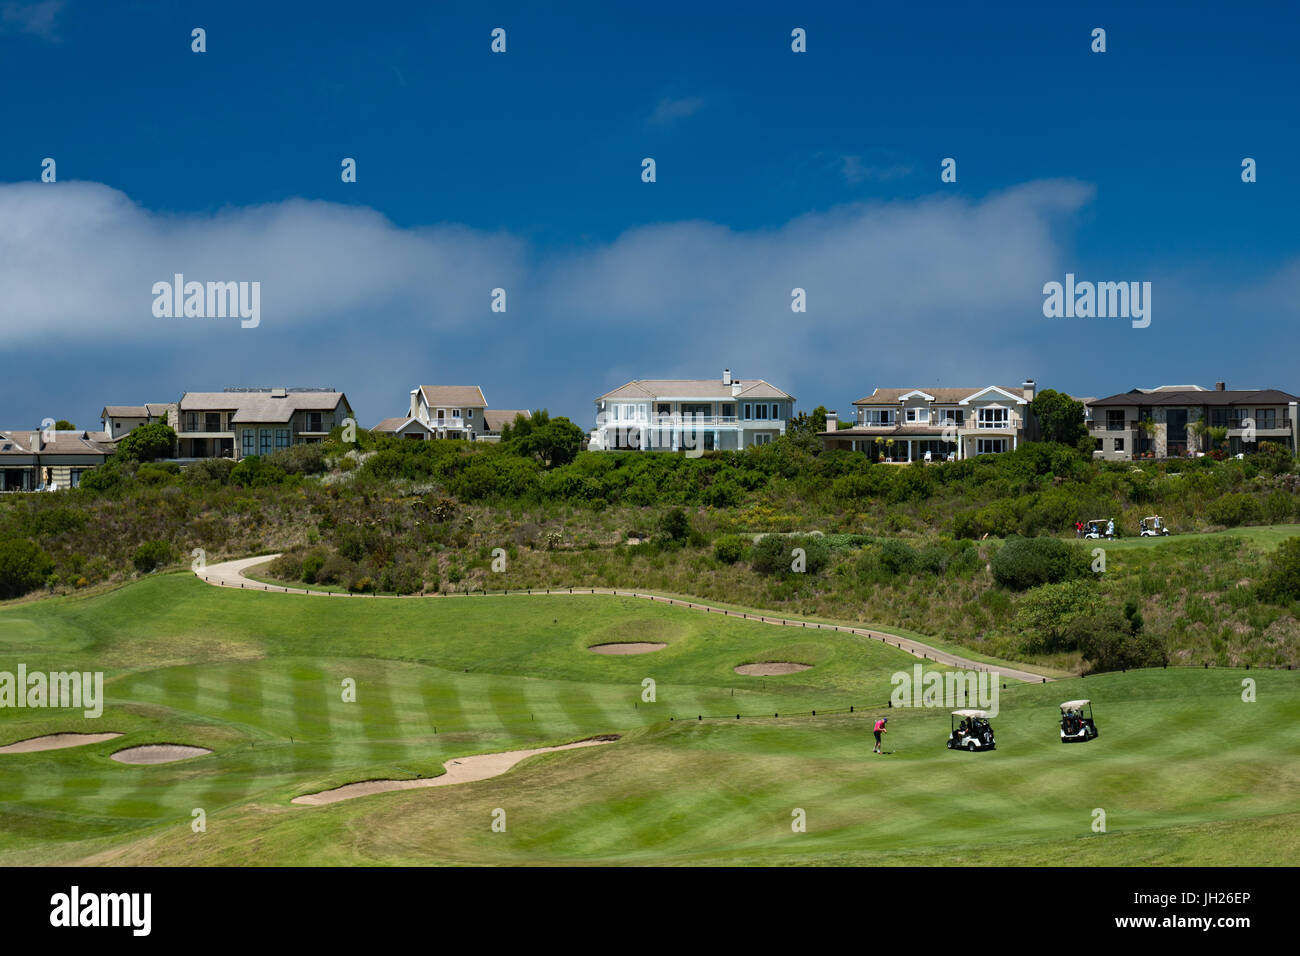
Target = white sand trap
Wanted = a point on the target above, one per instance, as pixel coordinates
(636, 647)
(55, 742)
(158, 753)
(771, 668)
(462, 770)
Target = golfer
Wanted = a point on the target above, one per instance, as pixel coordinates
(880, 729)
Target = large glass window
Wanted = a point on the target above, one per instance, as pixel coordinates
(1266, 418)
(265, 438)
(248, 441)
(990, 446)
(282, 438)
(994, 417)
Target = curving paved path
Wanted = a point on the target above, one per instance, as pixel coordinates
(230, 574)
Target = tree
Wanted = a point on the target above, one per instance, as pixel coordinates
(552, 441)
(63, 425)
(1281, 581)
(1060, 418)
(1045, 614)
(147, 442)
(23, 567)
(804, 429)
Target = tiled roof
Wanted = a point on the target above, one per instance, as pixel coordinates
(495, 418)
(942, 396)
(1263, 396)
(78, 442)
(705, 388)
(457, 396)
(261, 406)
(397, 424)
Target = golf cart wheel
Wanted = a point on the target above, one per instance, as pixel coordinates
(950, 743)
(971, 746)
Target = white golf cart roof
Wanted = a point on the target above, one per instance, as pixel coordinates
(1151, 518)
(970, 713)
(1074, 704)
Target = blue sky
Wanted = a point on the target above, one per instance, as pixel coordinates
(522, 170)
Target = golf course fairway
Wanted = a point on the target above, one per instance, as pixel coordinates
(1185, 772)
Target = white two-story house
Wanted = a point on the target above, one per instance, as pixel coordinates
(936, 424)
(724, 414)
(450, 411)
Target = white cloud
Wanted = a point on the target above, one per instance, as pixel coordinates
(37, 19)
(671, 109)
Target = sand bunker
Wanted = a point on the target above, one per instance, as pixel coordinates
(637, 647)
(461, 770)
(158, 753)
(770, 669)
(55, 742)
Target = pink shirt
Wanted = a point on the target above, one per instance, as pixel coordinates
(880, 725)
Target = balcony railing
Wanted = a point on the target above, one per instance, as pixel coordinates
(689, 421)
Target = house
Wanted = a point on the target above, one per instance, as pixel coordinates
(906, 424)
(120, 420)
(449, 411)
(497, 418)
(47, 460)
(1164, 422)
(722, 414)
(243, 421)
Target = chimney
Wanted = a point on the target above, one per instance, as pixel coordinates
(726, 376)
(1030, 389)
(1220, 386)
(38, 440)
(279, 392)
(735, 387)
(832, 421)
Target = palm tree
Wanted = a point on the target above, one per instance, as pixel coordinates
(1148, 427)
(1200, 428)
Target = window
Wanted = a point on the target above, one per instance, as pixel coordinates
(469, 413)
(760, 412)
(776, 412)
(249, 442)
(455, 413)
(264, 441)
(993, 417)
(990, 446)
(1119, 444)
(74, 477)
(1099, 446)
(282, 438)
(748, 412)
(763, 439)
(1266, 418)
(1114, 419)
(877, 416)
(313, 422)
(913, 414)
(191, 421)
(728, 410)
(212, 422)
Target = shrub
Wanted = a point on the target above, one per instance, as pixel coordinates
(287, 567)
(106, 477)
(730, 548)
(1234, 509)
(336, 570)
(1111, 641)
(1044, 615)
(147, 442)
(151, 555)
(311, 567)
(23, 567)
(772, 554)
(1281, 581)
(162, 473)
(675, 526)
(1023, 563)
(896, 558)
(209, 471)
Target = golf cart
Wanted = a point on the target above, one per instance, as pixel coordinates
(1152, 526)
(1096, 528)
(1077, 726)
(971, 731)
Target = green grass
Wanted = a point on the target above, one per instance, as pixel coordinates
(1186, 772)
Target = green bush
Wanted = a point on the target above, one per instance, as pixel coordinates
(1234, 509)
(675, 527)
(1044, 615)
(1111, 641)
(23, 567)
(311, 567)
(209, 471)
(1281, 581)
(730, 548)
(1023, 563)
(151, 555)
(107, 477)
(147, 442)
(772, 554)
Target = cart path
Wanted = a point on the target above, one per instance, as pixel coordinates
(230, 574)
